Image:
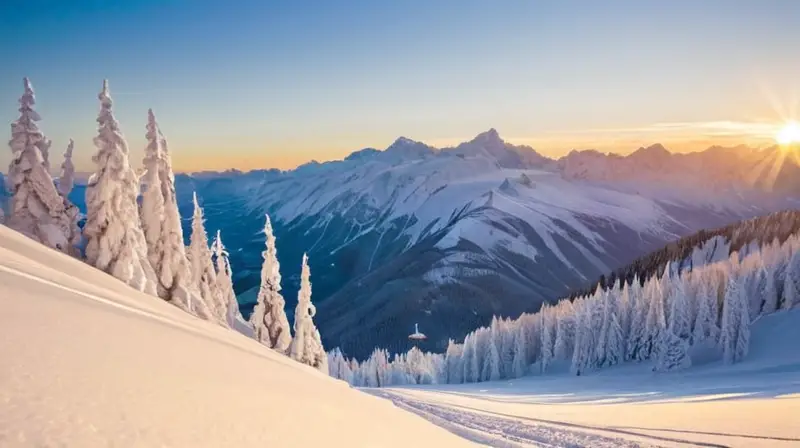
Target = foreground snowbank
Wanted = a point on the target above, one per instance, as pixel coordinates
(87, 361)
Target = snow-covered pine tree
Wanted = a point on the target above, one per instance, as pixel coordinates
(358, 373)
(115, 242)
(582, 353)
(624, 311)
(637, 335)
(672, 353)
(374, 368)
(482, 336)
(791, 282)
(506, 348)
(35, 207)
(705, 325)
(615, 342)
(603, 307)
(519, 365)
(565, 331)
(204, 277)
(44, 146)
(656, 320)
(151, 209)
(306, 347)
(789, 293)
(533, 333)
(754, 283)
(225, 282)
(596, 337)
(421, 367)
(454, 372)
(548, 321)
(491, 362)
(173, 271)
(472, 371)
(680, 312)
(269, 316)
(66, 181)
(339, 367)
(735, 331)
(770, 292)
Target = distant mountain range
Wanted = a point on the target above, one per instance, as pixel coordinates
(448, 237)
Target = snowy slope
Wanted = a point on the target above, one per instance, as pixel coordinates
(87, 362)
(751, 404)
(449, 237)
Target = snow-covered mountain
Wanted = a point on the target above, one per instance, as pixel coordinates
(719, 168)
(449, 237)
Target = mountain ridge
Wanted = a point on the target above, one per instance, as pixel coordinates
(491, 137)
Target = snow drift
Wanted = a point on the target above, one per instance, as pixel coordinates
(89, 361)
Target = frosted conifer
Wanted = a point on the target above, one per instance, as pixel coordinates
(491, 362)
(615, 342)
(672, 353)
(67, 178)
(705, 325)
(519, 364)
(680, 313)
(36, 209)
(269, 315)
(306, 347)
(547, 336)
(225, 282)
(173, 271)
(152, 206)
(453, 371)
(735, 337)
(115, 241)
(204, 277)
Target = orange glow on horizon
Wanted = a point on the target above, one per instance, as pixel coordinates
(246, 159)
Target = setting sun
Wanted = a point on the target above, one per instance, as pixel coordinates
(789, 134)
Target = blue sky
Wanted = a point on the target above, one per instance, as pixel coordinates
(251, 84)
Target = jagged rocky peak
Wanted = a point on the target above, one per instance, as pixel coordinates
(488, 142)
(489, 139)
(362, 154)
(409, 149)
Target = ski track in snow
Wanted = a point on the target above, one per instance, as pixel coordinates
(501, 431)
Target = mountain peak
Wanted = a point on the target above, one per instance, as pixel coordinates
(655, 150)
(406, 148)
(402, 141)
(488, 136)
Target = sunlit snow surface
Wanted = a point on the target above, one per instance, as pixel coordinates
(88, 362)
(751, 404)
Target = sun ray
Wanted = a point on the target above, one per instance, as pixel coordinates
(789, 134)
